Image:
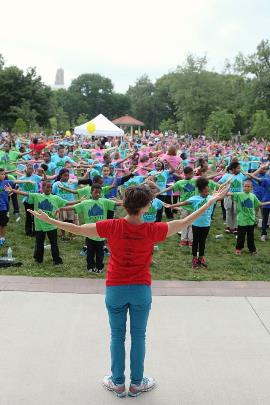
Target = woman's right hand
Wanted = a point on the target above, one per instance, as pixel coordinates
(40, 215)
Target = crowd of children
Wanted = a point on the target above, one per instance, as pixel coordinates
(82, 181)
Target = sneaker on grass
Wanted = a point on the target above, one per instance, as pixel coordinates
(98, 271)
(91, 270)
(147, 384)
(202, 262)
(263, 238)
(195, 263)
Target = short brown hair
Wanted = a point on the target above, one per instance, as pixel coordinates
(136, 198)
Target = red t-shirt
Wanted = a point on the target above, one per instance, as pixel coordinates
(37, 147)
(131, 248)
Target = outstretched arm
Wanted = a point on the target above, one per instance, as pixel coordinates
(87, 230)
(176, 226)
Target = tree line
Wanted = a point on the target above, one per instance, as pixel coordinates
(192, 98)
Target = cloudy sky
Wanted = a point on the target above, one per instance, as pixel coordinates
(124, 39)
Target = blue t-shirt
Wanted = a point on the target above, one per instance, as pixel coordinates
(253, 165)
(51, 168)
(244, 164)
(63, 193)
(28, 187)
(107, 181)
(266, 190)
(161, 177)
(4, 194)
(151, 214)
(258, 189)
(134, 181)
(237, 181)
(60, 162)
(197, 202)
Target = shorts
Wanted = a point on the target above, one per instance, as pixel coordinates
(67, 216)
(4, 218)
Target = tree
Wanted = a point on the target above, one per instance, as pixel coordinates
(92, 93)
(82, 119)
(16, 88)
(167, 125)
(20, 126)
(256, 67)
(62, 120)
(143, 102)
(220, 124)
(261, 124)
(27, 114)
(2, 61)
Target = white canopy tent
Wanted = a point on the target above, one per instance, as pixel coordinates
(103, 127)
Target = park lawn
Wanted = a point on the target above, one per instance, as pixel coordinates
(171, 262)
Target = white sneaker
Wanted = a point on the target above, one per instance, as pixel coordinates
(147, 384)
(118, 389)
(263, 238)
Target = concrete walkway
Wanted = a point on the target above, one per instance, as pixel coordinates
(54, 350)
(168, 287)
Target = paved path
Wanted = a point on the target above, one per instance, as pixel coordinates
(54, 349)
(96, 286)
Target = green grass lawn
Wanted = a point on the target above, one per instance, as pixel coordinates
(171, 261)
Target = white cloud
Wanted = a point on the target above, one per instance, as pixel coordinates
(124, 39)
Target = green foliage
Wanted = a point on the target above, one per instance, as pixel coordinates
(2, 61)
(20, 126)
(23, 95)
(167, 125)
(82, 119)
(143, 102)
(220, 124)
(27, 114)
(185, 97)
(261, 125)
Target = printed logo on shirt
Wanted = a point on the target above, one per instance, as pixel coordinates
(202, 203)
(236, 185)
(150, 214)
(60, 163)
(248, 203)
(160, 178)
(189, 188)
(45, 205)
(96, 212)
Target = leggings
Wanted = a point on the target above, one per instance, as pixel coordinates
(199, 238)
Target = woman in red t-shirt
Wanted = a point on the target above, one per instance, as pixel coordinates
(37, 146)
(128, 282)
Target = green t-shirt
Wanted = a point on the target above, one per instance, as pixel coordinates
(213, 186)
(7, 157)
(93, 211)
(47, 203)
(246, 205)
(86, 191)
(187, 189)
(10, 177)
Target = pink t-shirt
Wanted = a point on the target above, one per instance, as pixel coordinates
(174, 160)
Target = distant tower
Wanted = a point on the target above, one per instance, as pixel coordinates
(59, 79)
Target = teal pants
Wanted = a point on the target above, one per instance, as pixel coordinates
(135, 299)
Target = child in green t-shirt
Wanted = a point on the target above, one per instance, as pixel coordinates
(247, 203)
(92, 211)
(50, 204)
